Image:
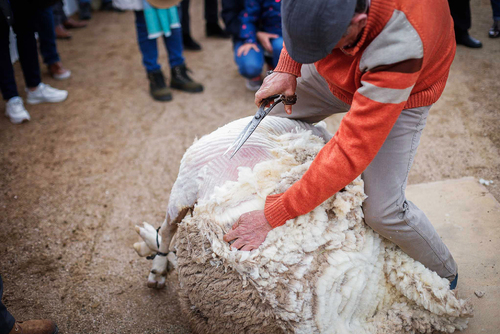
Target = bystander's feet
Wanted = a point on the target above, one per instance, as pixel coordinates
(15, 110)
(214, 30)
(35, 327)
(189, 43)
(157, 86)
(61, 32)
(468, 41)
(85, 11)
(181, 80)
(45, 93)
(254, 84)
(495, 30)
(57, 71)
(74, 24)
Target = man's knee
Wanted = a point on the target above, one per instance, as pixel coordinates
(250, 69)
(381, 215)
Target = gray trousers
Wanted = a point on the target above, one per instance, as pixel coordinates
(387, 211)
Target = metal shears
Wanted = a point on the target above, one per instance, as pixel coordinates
(262, 112)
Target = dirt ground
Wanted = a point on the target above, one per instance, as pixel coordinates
(77, 178)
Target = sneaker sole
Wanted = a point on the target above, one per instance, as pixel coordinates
(17, 120)
(62, 76)
(44, 101)
(196, 90)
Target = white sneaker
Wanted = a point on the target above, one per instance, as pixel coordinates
(14, 109)
(45, 93)
(253, 85)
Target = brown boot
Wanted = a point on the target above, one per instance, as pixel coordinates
(57, 71)
(35, 327)
(61, 32)
(74, 24)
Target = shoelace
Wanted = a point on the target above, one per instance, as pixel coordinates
(182, 73)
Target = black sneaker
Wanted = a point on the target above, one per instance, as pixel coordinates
(85, 11)
(190, 44)
(157, 86)
(181, 80)
(495, 30)
(214, 30)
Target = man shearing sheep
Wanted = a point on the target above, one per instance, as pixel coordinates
(384, 62)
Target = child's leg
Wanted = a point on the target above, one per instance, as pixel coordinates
(147, 46)
(277, 45)
(174, 47)
(249, 66)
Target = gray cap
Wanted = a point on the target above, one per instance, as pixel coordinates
(312, 28)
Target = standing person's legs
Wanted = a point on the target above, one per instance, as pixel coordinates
(173, 43)
(148, 47)
(7, 79)
(25, 27)
(388, 211)
(460, 11)
(7, 321)
(249, 65)
(495, 28)
(211, 11)
(59, 14)
(185, 21)
(47, 36)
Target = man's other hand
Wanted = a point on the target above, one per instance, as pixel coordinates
(249, 232)
(277, 83)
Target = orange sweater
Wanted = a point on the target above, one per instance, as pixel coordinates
(401, 61)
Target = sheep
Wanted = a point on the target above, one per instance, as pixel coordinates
(323, 272)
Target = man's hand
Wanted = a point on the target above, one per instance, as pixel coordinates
(277, 83)
(245, 48)
(249, 232)
(264, 39)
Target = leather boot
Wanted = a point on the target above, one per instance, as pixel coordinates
(61, 32)
(35, 327)
(182, 81)
(157, 86)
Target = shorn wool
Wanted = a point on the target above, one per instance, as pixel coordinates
(323, 272)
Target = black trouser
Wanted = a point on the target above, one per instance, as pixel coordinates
(59, 14)
(24, 27)
(211, 14)
(6, 319)
(460, 11)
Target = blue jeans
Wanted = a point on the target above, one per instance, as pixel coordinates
(47, 36)
(495, 5)
(149, 48)
(6, 319)
(250, 66)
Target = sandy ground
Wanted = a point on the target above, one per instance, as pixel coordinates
(77, 178)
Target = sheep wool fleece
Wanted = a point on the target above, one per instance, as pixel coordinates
(323, 272)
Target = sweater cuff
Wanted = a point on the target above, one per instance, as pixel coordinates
(275, 211)
(287, 64)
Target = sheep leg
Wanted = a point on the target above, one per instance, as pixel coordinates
(158, 273)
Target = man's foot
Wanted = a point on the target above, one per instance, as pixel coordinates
(190, 44)
(495, 30)
(253, 84)
(214, 30)
(61, 32)
(57, 71)
(45, 93)
(74, 24)
(15, 111)
(108, 6)
(157, 87)
(35, 327)
(85, 11)
(468, 41)
(181, 80)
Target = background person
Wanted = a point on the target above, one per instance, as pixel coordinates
(259, 34)
(495, 28)
(24, 21)
(460, 11)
